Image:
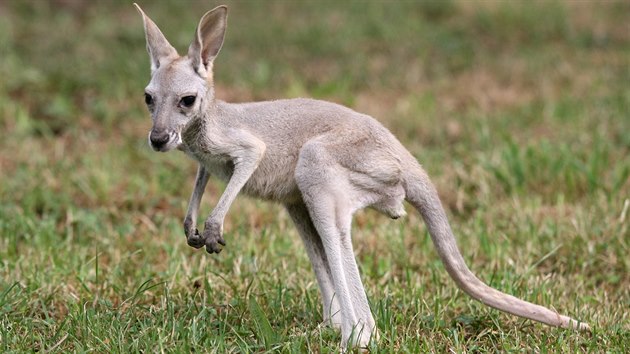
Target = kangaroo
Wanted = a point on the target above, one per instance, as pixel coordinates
(321, 160)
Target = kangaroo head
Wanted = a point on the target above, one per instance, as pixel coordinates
(181, 87)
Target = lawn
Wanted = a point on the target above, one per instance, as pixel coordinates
(520, 112)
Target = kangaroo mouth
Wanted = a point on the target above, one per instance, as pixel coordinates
(165, 142)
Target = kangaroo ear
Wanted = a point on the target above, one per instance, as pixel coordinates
(160, 50)
(208, 39)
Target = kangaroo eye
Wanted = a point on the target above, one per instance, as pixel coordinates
(187, 101)
(148, 99)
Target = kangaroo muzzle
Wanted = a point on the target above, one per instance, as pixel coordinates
(159, 140)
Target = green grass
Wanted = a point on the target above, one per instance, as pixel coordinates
(519, 111)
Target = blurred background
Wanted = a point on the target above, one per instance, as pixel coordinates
(519, 110)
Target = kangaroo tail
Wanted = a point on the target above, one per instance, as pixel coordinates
(421, 193)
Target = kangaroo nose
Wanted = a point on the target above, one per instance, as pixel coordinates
(158, 139)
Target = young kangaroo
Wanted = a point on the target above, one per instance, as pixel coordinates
(322, 161)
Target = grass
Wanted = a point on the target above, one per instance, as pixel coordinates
(519, 112)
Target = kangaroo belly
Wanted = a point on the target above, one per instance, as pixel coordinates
(274, 179)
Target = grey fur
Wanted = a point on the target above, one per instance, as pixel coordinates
(321, 160)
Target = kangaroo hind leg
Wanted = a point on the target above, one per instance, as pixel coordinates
(327, 194)
(317, 255)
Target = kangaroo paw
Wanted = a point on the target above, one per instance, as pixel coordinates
(195, 240)
(213, 237)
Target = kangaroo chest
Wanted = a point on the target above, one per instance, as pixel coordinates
(218, 166)
(265, 182)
